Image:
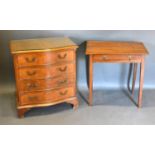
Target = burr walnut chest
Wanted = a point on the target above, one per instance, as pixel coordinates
(45, 72)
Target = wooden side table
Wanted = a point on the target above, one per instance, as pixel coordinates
(117, 52)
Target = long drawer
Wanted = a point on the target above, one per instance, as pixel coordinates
(35, 59)
(46, 96)
(46, 71)
(42, 84)
(116, 58)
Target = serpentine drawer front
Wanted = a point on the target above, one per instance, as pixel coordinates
(45, 58)
(49, 83)
(45, 72)
(43, 97)
(117, 52)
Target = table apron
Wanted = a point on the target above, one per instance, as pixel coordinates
(117, 58)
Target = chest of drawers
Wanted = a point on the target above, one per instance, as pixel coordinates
(45, 72)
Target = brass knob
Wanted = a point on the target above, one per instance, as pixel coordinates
(104, 57)
(130, 57)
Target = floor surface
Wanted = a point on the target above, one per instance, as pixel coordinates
(110, 107)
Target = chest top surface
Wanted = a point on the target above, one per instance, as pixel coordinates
(106, 47)
(41, 45)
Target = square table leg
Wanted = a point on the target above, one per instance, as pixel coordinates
(129, 76)
(134, 77)
(90, 79)
(141, 80)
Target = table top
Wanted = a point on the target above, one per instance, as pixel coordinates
(27, 45)
(109, 47)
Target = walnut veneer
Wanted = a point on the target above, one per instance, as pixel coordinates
(45, 72)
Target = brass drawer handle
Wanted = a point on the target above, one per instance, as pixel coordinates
(32, 85)
(63, 93)
(63, 69)
(62, 82)
(62, 56)
(33, 59)
(31, 73)
(33, 98)
(130, 57)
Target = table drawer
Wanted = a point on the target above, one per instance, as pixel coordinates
(47, 96)
(35, 59)
(116, 58)
(51, 83)
(46, 72)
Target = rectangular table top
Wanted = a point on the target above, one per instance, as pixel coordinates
(27, 45)
(110, 47)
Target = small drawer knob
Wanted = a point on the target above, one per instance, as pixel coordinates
(104, 57)
(130, 57)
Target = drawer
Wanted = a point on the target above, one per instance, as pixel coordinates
(46, 71)
(44, 58)
(51, 83)
(47, 96)
(116, 58)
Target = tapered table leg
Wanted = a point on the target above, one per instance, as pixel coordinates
(141, 83)
(134, 77)
(90, 79)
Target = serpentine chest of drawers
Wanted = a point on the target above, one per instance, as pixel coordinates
(45, 72)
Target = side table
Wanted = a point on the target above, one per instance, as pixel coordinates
(117, 52)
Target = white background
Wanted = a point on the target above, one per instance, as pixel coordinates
(77, 15)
